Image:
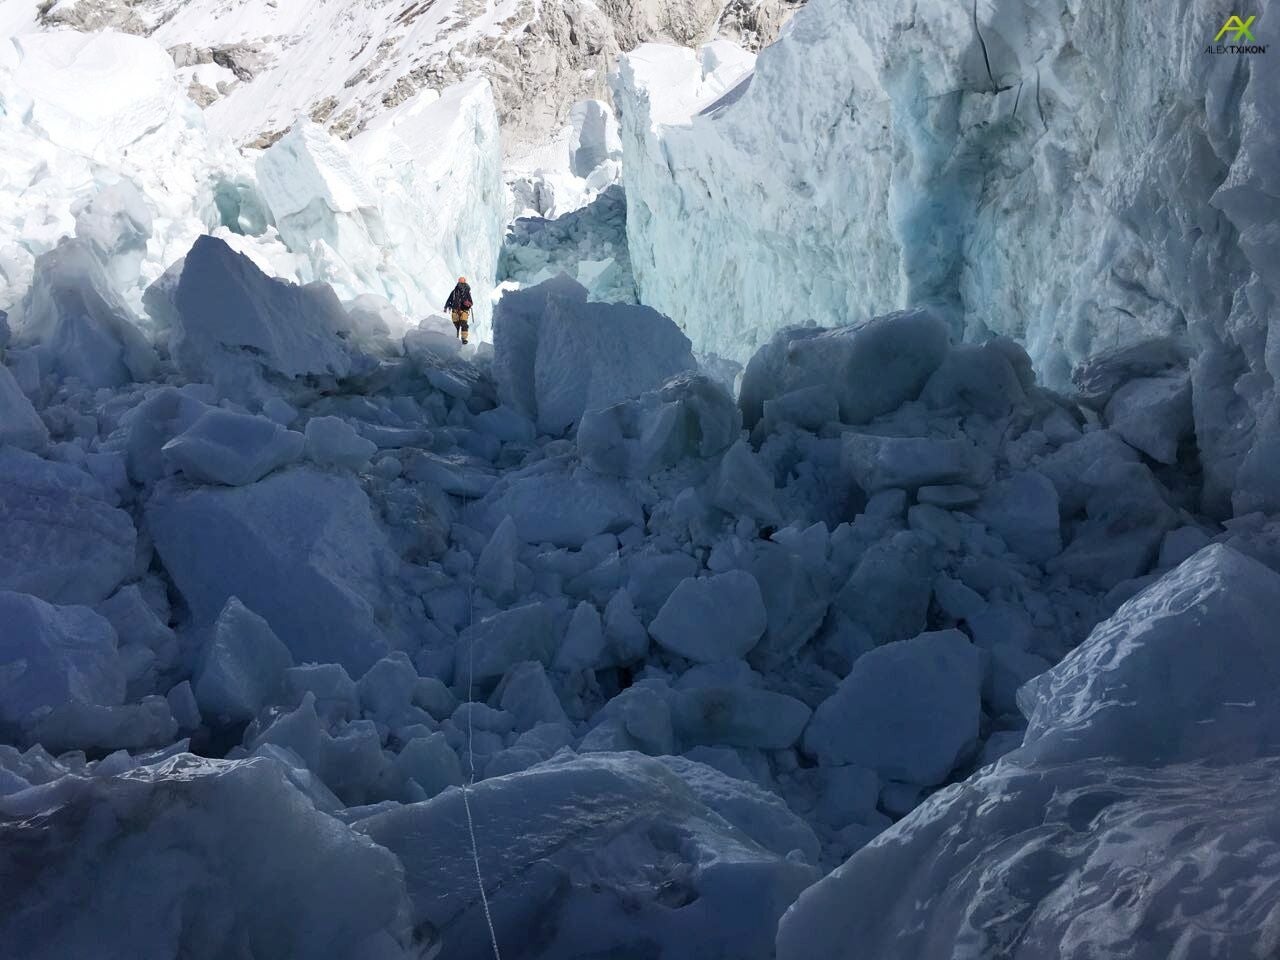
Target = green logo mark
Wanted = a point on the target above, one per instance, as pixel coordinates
(1241, 28)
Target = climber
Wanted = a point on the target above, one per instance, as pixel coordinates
(459, 305)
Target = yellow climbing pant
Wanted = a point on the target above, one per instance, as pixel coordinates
(460, 318)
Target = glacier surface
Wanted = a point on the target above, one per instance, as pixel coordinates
(1029, 174)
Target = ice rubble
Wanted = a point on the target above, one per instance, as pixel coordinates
(589, 244)
(358, 568)
(1150, 751)
(996, 164)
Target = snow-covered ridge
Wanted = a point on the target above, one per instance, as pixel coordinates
(1027, 172)
(260, 65)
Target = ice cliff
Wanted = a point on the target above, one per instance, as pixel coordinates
(1089, 181)
(133, 172)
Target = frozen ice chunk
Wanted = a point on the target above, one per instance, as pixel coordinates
(557, 356)
(1008, 668)
(846, 795)
(490, 647)
(90, 726)
(736, 715)
(232, 843)
(1127, 517)
(20, 425)
(183, 706)
(1069, 466)
(331, 441)
(78, 324)
(554, 503)
(300, 548)
(443, 211)
(871, 369)
(1023, 509)
(432, 695)
(625, 634)
(526, 693)
(569, 833)
(584, 645)
(743, 487)
(1180, 544)
(495, 572)
(232, 448)
(806, 407)
(907, 710)
(352, 763)
(163, 414)
(59, 539)
(386, 690)
(689, 416)
(1071, 834)
(332, 688)
(235, 324)
(97, 93)
(137, 622)
(712, 618)
(976, 377)
(1188, 663)
(431, 763)
(241, 667)
(882, 463)
(117, 223)
(762, 816)
(888, 591)
(298, 730)
(795, 597)
(313, 185)
(53, 656)
(1153, 414)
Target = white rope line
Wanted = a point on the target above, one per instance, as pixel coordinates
(471, 764)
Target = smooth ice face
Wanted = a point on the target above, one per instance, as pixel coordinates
(988, 161)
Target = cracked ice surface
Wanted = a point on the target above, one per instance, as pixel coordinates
(1015, 173)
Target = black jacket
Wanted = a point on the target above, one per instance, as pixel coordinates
(460, 298)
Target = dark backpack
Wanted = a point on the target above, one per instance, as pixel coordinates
(464, 296)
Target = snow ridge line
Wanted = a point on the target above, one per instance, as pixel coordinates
(471, 769)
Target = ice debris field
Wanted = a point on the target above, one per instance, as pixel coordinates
(851, 535)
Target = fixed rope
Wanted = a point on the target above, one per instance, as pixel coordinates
(471, 770)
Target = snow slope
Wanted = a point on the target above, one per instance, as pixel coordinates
(260, 65)
(1083, 181)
